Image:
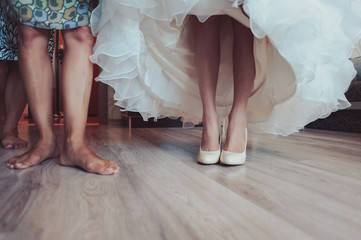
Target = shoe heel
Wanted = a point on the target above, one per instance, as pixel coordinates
(233, 158)
(210, 157)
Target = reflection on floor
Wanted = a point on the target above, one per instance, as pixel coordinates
(24, 120)
(305, 186)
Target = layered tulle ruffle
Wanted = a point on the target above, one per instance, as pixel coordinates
(145, 50)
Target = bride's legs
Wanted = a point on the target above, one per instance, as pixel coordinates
(244, 73)
(76, 82)
(207, 56)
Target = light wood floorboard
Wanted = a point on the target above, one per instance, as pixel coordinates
(305, 186)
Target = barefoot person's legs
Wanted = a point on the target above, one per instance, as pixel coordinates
(207, 56)
(35, 69)
(3, 76)
(15, 101)
(244, 73)
(76, 82)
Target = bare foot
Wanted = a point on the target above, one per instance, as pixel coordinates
(12, 141)
(84, 158)
(210, 135)
(236, 134)
(41, 151)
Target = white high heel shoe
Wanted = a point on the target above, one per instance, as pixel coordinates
(209, 157)
(234, 158)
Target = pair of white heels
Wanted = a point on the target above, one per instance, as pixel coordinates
(225, 157)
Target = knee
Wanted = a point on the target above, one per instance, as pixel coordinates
(80, 35)
(29, 37)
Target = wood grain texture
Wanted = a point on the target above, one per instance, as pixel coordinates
(305, 186)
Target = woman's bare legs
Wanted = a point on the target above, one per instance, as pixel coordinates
(15, 101)
(207, 55)
(76, 84)
(36, 71)
(3, 77)
(244, 74)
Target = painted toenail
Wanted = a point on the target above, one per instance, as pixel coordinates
(19, 164)
(116, 170)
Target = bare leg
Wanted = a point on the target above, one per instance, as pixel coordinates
(244, 73)
(15, 101)
(3, 77)
(76, 82)
(36, 72)
(207, 55)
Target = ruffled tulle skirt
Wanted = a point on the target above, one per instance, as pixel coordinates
(301, 49)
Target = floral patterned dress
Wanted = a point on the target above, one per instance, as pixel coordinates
(9, 39)
(51, 14)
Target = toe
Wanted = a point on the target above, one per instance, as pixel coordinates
(98, 166)
(11, 163)
(105, 169)
(115, 167)
(28, 162)
(108, 171)
(19, 145)
(19, 165)
(8, 146)
(112, 167)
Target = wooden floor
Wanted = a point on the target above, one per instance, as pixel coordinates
(305, 186)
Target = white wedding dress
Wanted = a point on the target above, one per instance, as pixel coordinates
(301, 49)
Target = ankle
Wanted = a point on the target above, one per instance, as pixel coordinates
(71, 143)
(48, 138)
(238, 118)
(210, 137)
(210, 116)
